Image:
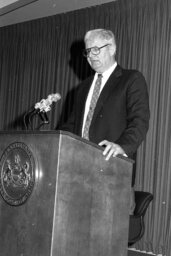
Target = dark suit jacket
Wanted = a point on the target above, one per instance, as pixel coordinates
(122, 111)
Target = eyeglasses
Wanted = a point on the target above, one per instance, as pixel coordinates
(94, 50)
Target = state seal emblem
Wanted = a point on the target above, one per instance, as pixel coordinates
(17, 173)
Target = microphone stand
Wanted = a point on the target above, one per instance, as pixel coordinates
(28, 117)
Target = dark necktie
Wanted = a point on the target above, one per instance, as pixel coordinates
(93, 102)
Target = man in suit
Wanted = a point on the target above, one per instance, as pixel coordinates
(120, 118)
(117, 117)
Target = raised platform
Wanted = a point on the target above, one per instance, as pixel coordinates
(137, 253)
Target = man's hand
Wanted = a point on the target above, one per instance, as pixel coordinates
(111, 149)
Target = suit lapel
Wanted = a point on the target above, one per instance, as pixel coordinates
(107, 90)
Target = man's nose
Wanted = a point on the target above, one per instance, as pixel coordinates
(92, 56)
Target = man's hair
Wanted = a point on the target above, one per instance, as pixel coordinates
(101, 34)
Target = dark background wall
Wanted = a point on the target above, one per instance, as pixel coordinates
(45, 56)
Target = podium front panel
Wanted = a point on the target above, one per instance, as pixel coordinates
(92, 203)
(26, 227)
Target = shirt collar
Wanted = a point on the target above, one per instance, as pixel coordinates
(108, 72)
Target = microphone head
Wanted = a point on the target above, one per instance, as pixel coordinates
(54, 97)
(44, 105)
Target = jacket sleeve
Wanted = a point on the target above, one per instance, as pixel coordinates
(138, 114)
(69, 125)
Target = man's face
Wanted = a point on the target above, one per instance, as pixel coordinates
(105, 59)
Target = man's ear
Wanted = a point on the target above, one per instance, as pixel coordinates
(112, 49)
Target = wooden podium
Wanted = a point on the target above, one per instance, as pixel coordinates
(59, 197)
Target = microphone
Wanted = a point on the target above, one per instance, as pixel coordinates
(41, 108)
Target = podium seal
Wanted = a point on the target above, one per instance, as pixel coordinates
(17, 173)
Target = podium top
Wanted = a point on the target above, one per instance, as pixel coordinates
(60, 133)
